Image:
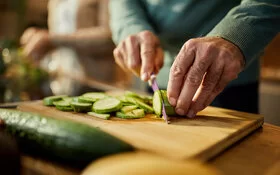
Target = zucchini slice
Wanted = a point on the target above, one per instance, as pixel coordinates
(107, 105)
(63, 105)
(83, 99)
(102, 116)
(95, 95)
(48, 101)
(159, 97)
(81, 107)
(126, 109)
(137, 113)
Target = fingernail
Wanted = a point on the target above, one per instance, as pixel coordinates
(144, 76)
(172, 101)
(191, 114)
(180, 111)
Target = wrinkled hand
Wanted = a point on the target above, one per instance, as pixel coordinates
(36, 43)
(201, 70)
(140, 53)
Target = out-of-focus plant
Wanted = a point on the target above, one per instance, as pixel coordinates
(23, 80)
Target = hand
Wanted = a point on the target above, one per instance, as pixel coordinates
(36, 43)
(201, 70)
(140, 53)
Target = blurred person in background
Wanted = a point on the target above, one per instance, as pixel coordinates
(77, 43)
(208, 49)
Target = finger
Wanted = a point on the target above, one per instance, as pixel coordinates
(158, 60)
(192, 82)
(206, 88)
(224, 81)
(27, 35)
(133, 54)
(148, 53)
(119, 59)
(178, 71)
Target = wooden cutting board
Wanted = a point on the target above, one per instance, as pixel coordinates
(211, 132)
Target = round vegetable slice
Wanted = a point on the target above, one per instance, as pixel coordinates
(83, 99)
(160, 96)
(81, 107)
(102, 116)
(48, 101)
(95, 95)
(126, 109)
(107, 105)
(63, 105)
(137, 113)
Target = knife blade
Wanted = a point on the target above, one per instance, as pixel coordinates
(153, 83)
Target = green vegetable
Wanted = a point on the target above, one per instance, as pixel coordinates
(60, 139)
(107, 105)
(95, 95)
(144, 106)
(81, 107)
(83, 99)
(102, 116)
(137, 113)
(159, 97)
(126, 109)
(63, 105)
(48, 101)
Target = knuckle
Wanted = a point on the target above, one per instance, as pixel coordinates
(190, 42)
(201, 67)
(193, 80)
(145, 34)
(131, 38)
(147, 52)
(177, 71)
(132, 65)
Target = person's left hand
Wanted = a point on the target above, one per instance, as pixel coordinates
(36, 43)
(201, 70)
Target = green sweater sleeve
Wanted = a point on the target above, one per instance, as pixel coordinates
(127, 17)
(250, 25)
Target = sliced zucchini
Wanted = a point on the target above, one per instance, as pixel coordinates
(48, 101)
(83, 99)
(107, 105)
(170, 110)
(81, 107)
(126, 109)
(95, 95)
(157, 103)
(137, 113)
(144, 106)
(63, 105)
(102, 116)
(159, 97)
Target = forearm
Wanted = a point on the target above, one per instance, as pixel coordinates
(88, 40)
(250, 26)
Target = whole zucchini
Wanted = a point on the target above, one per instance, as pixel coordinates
(60, 139)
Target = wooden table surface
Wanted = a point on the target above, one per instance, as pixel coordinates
(256, 154)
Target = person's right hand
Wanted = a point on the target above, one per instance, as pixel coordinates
(36, 43)
(140, 53)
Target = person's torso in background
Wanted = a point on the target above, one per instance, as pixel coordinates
(64, 60)
(65, 17)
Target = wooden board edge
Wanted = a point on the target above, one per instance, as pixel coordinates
(213, 151)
